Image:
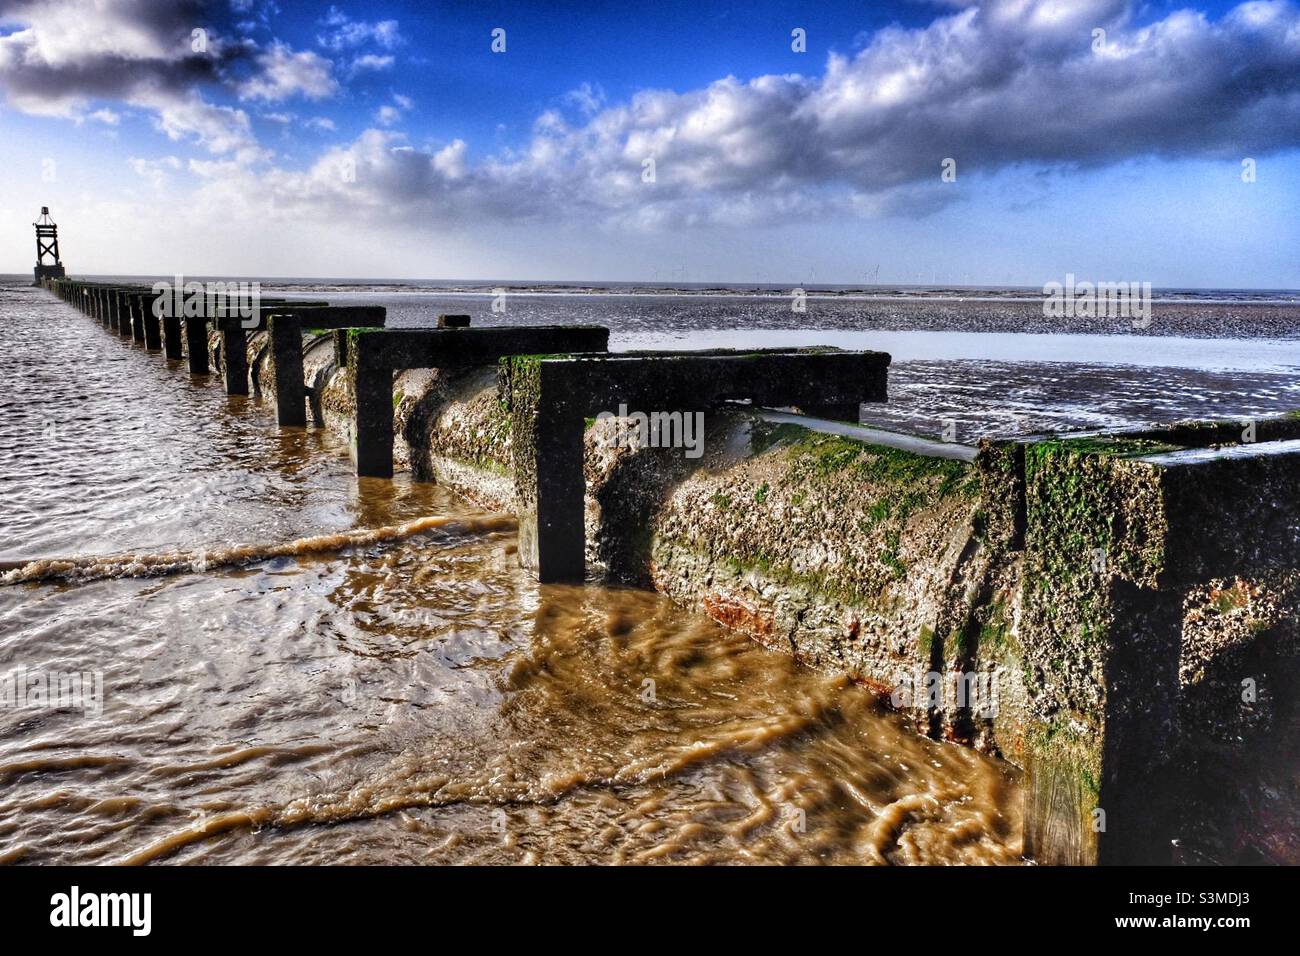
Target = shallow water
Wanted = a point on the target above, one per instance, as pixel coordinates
(413, 700)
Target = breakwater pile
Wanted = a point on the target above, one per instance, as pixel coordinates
(1112, 612)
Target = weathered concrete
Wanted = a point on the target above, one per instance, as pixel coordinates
(173, 338)
(121, 314)
(233, 330)
(221, 315)
(45, 272)
(285, 328)
(153, 340)
(1059, 566)
(550, 396)
(1123, 536)
(196, 345)
(129, 303)
(373, 356)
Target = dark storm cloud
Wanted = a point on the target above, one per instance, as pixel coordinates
(59, 56)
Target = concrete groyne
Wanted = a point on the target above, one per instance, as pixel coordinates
(1115, 613)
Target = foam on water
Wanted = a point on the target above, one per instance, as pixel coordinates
(154, 564)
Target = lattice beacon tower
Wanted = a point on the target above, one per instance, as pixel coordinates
(47, 244)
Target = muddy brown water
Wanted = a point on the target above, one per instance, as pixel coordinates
(410, 701)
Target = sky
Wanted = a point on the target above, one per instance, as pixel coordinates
(937, 141)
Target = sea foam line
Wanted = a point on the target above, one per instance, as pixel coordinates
(153, 564)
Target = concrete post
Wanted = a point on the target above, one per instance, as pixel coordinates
(196, 345)
(286, 357)
(125, 326)
(130, 307)
(547, 444)
(173, 338)
(1103, 598)
(234, 352)
(152, 326)
(373, 384)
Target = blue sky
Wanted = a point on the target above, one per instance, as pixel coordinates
(390, 140)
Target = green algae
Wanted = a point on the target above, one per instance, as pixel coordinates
(823, 456)
(1061, 745)
(1116, 446)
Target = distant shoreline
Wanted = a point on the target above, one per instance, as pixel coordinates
(883, 292)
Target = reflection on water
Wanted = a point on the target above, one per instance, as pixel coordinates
(401, 701)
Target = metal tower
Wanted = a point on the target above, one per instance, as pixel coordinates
(47, 244)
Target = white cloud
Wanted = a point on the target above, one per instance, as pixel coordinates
(391, 113)
(285, 73)
(371, 62)
(187, 117)
(587, 98)
(68, 33)
(155, 171)
(450, 160)
(342, 32)
(69, 53)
